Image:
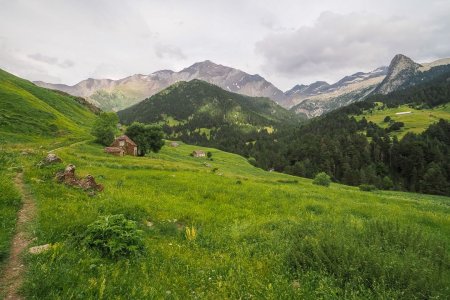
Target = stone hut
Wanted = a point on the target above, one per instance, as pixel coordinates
(129, 147)
(198, 153)
(115, 151)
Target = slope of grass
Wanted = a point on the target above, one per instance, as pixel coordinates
(30, 114)
(9, 203)
(259, 234)
(417, 121)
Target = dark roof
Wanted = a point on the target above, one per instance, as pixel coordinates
(113, 149)
(126, 139)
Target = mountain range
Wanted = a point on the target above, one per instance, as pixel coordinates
(118, 94)
(312, 100)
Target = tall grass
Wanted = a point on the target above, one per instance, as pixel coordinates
(380, 255)
(9, 203)
(272, 236)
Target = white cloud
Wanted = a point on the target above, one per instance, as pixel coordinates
(68, 41)
(339, 44)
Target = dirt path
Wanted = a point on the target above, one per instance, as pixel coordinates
(13, 273)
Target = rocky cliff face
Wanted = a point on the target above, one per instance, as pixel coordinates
(118, 94)
(400, 70)
(321, 97)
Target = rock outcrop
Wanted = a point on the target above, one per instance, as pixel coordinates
(51, 158)
(68, 177)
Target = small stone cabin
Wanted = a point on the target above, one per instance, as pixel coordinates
(174, 144)
(129, 147)
(115, 151)
(198, 153)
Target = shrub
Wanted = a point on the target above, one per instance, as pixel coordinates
(387, 119)
(252, 161)
(190, 233)
(114, 236)
(367, 187)
(209, 154)
(322, 178)
(395, 126)
(147, 137)
(387, 183)
(104, 128)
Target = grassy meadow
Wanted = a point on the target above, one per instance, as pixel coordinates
(9, 203)
(223, 229)
(417, 121)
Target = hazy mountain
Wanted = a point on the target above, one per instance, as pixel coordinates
(312, 100)
(320, 97)
(118, 94)
(403, 72)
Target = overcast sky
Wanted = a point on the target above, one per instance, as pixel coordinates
(286, 41)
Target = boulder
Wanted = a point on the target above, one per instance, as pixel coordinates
(89, 183)
(68, 177)
(39, 249)
(52, 158)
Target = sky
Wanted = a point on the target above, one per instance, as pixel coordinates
(287, 42)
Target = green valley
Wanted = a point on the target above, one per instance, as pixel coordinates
(258, 234)
(170, 225)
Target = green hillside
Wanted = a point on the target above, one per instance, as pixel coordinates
(29, 113)
(200, 113)
(258, 234)
(415, 120)
(200, 103)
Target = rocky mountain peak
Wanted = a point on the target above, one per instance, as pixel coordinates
(400, 70)
(203, 66)
(401, 62)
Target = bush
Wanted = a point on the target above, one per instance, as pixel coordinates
(387, 183)
(367, 187)
(387, 119)
(322, 179)
(147, 137)
(252, 161)
(104, 128)
(114, 236)
(395, 126)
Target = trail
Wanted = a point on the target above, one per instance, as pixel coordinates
(12, 278)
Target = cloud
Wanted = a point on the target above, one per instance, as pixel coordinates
(337, 44)
(169, 51)
(52, 60)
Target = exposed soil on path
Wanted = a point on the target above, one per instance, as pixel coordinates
(12, 278)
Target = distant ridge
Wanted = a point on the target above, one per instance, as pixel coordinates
(312, 100)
